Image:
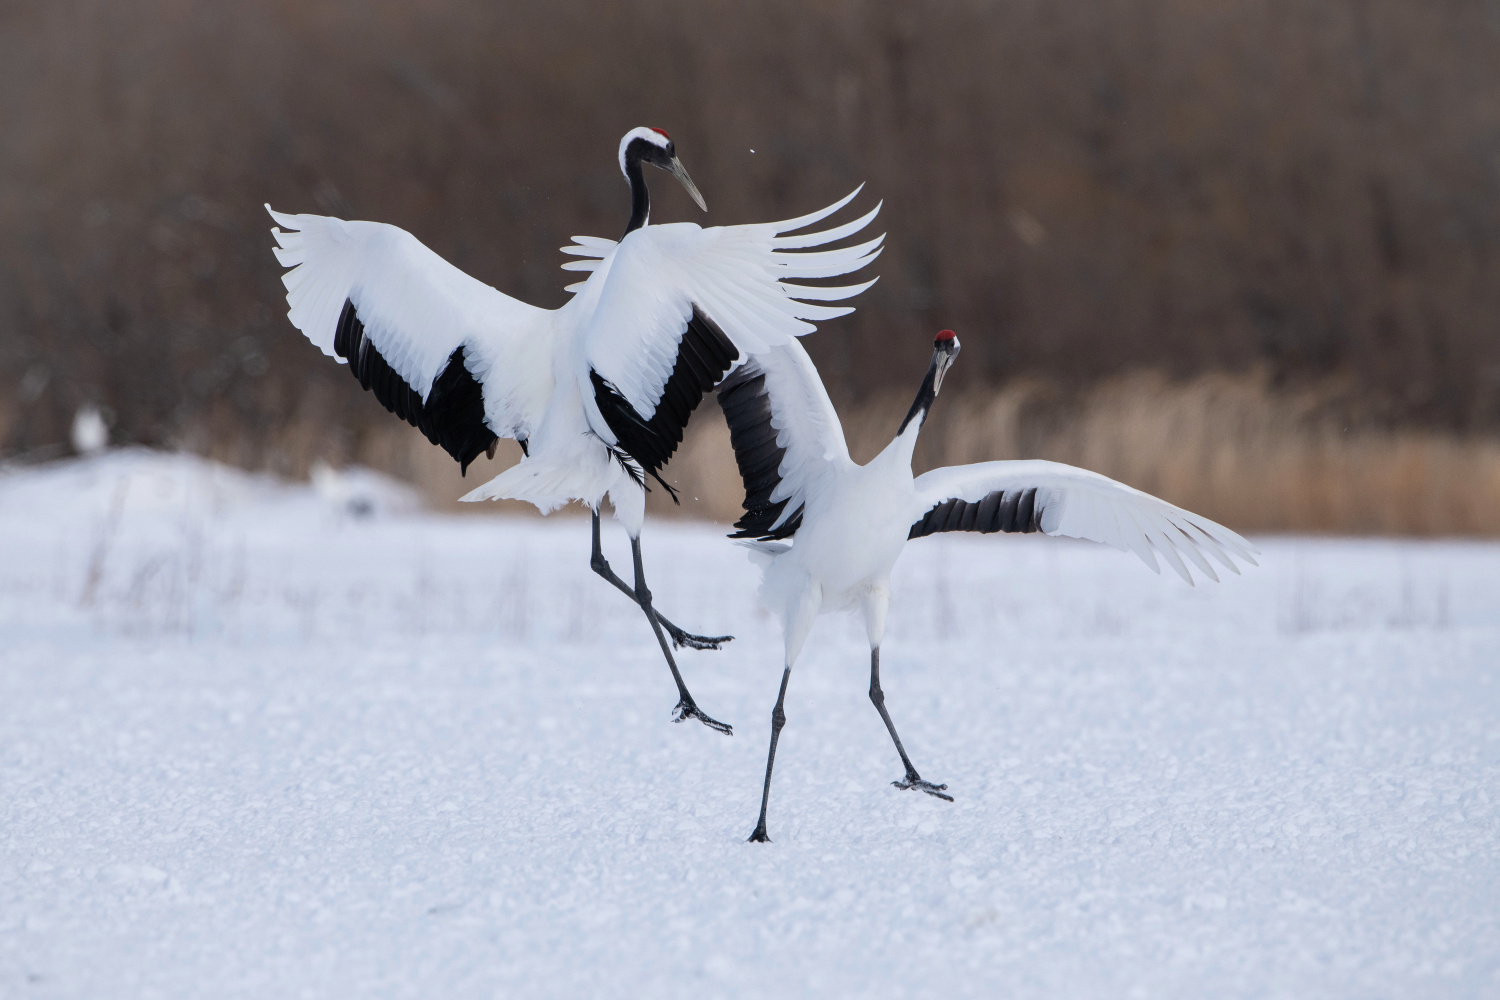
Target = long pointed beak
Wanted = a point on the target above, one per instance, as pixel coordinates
(679, 172)
(943, 359)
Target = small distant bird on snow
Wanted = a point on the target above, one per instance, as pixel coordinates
(849, 523)
(596, 392)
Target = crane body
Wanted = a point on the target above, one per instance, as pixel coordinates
(848, 523)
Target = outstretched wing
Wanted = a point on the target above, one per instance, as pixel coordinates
(1062, 500)
(786, 435)
(678, 305)
(452, 356)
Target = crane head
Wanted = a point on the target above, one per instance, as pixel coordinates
(654, 146)
(944, 349)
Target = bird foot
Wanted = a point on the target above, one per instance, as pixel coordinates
(936, 791)
(759, 836)
(686, 710)
(688, 639)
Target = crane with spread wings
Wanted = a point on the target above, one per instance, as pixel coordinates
(598, 391)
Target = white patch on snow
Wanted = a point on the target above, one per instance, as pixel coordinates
(90, 434)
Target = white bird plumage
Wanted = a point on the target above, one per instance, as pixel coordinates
(596, 391)
(625, 322)
(849, 523)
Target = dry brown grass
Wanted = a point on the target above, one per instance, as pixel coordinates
(1241, 452)
(1232, 447)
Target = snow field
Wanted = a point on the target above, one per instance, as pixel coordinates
(252, 744)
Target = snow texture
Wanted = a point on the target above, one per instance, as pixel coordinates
(261, 740)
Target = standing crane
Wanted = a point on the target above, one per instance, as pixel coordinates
(849, 523)
(597, 392)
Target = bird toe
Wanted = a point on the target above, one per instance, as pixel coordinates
(687, 710)
(913, 782)
(688, 639)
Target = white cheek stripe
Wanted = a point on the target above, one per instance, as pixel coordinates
(650, 135)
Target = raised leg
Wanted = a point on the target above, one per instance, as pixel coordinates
(600, 565)
(778, 719)
(913, 779)
(687, 708)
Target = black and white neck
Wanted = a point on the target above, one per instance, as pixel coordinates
(944, 350)
(653, 146)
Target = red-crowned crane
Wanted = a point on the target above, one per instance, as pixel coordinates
(598, 391)
(849, 523)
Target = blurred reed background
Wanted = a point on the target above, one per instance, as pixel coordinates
(1243, 255)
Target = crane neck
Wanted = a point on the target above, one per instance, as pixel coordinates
(906, 434)
(925, 395)
(640, 198)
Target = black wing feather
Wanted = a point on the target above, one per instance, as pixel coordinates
(1012, 511)
(453, 414)
(703, 356)
(747, 410)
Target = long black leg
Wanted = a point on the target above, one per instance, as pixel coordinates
(913, 779)
(600, 565)
(778, 719)
(687, 708)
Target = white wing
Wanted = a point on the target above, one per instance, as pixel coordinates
(458, 359)
(1062, 500)
(786, 435)
(678, 305)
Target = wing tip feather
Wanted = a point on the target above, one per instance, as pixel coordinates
(283, 219)
(803, 221)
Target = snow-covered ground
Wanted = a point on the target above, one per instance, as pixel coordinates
(254, 744)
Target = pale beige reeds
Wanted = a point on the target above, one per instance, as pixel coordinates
(1231, 447)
